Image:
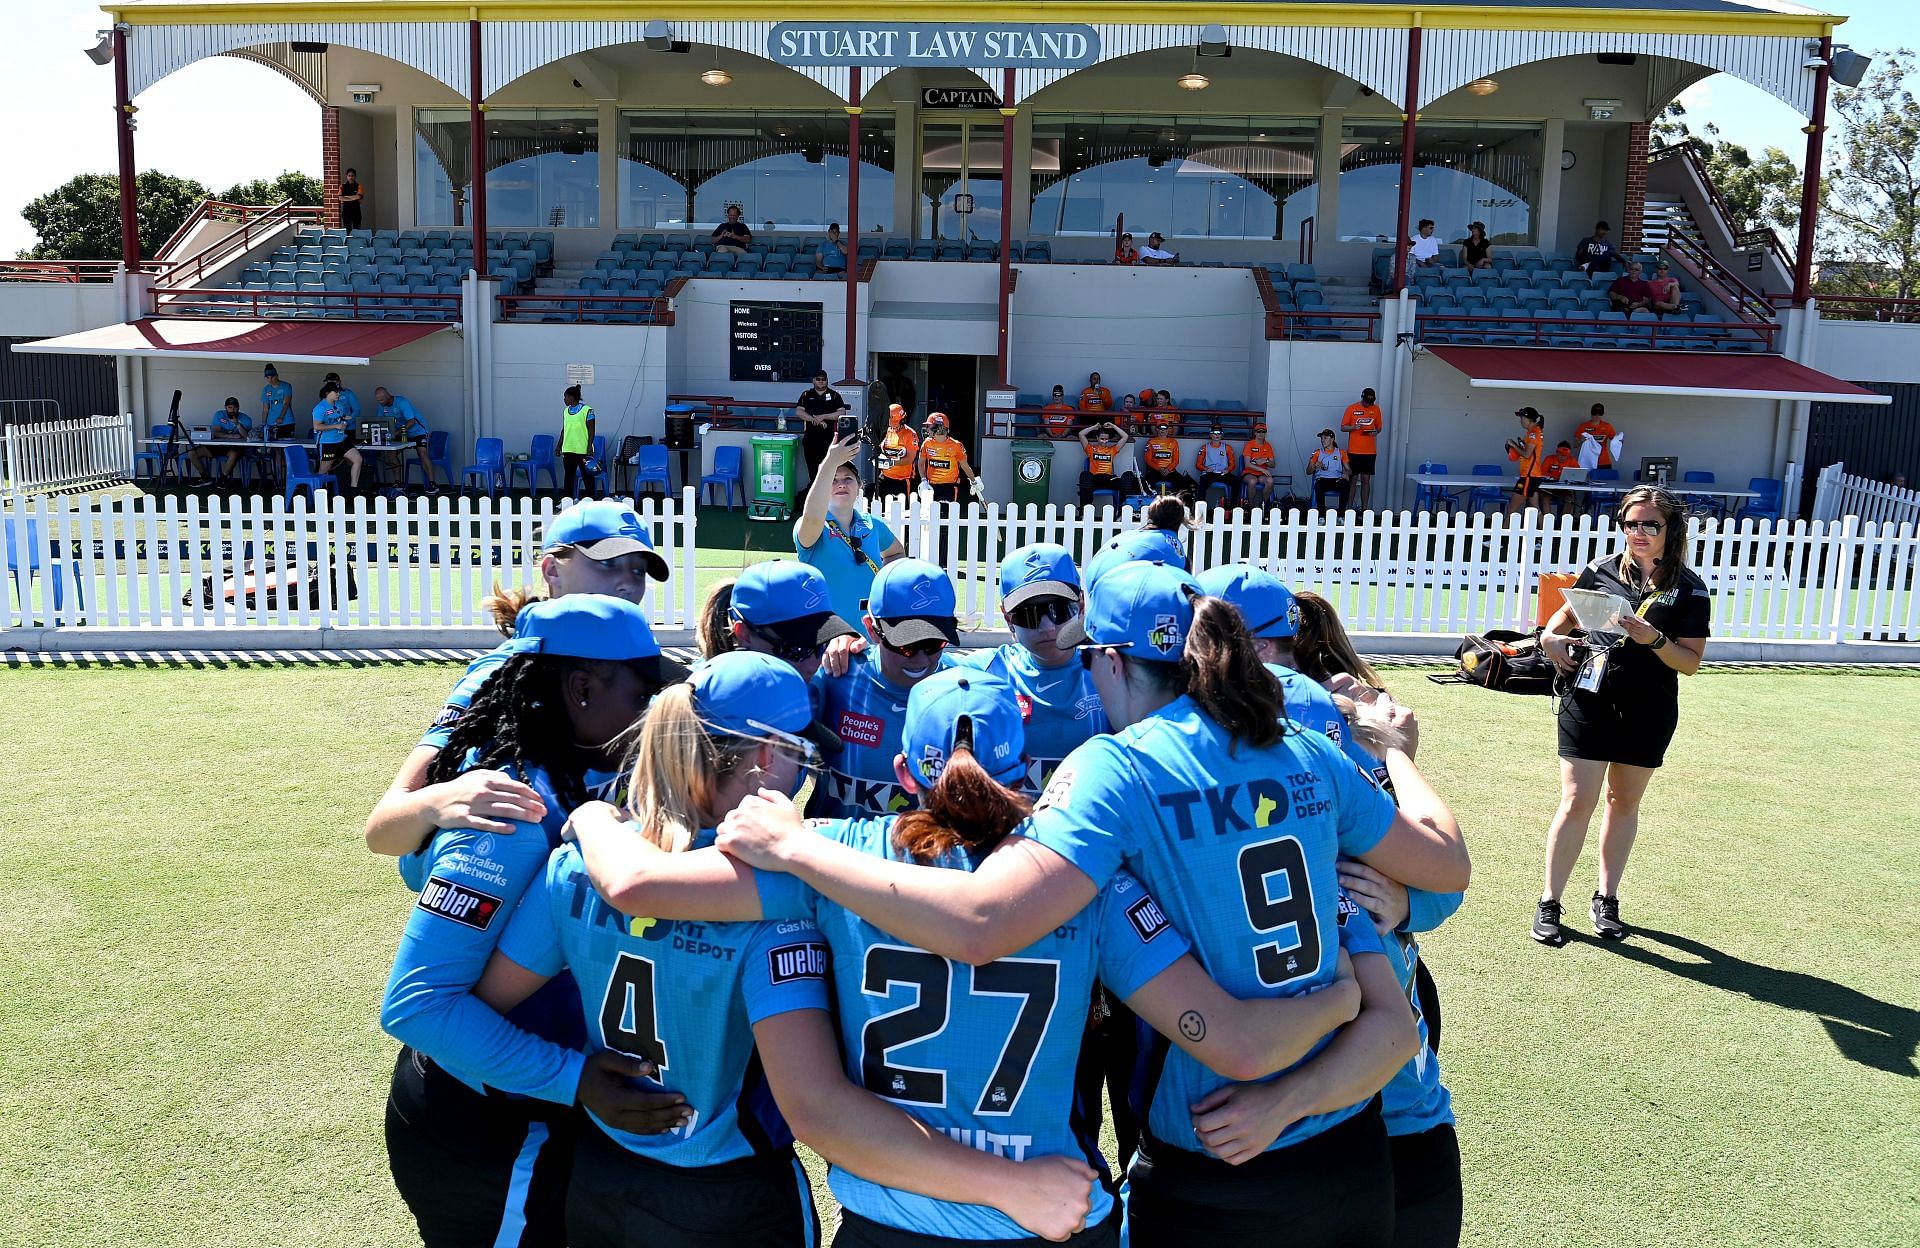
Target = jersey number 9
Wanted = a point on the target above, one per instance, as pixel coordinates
(1274, 905)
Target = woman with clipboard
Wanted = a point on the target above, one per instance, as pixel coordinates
(1621, 704)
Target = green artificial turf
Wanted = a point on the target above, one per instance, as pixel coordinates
(193, 944)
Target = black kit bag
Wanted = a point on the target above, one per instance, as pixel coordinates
(1502, 659)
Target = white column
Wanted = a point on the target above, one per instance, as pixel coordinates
(405, 206)
(609, 165)
(1546, 209)
(1326, 173)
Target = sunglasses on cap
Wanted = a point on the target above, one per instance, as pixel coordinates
(1038, 611)
(917, 649)
(792, 652)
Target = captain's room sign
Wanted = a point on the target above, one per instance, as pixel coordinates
(1037, 45)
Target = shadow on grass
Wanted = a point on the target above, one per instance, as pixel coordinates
(1865, 1029)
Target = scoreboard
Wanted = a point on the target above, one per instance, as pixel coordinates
(777, 342)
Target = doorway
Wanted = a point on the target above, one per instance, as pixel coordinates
(960, 196)
(954, 384)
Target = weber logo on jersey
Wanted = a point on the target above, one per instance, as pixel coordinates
(1348, 908)
(448, 716)
(466, 906)
(791, 962)
(1146, 918)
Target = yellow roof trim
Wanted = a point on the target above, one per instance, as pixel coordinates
(1123, 12)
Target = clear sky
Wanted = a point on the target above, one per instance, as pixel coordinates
(224, 121)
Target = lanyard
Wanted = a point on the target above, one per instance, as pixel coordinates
(833, 527)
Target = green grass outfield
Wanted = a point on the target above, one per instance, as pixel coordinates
(193, 944)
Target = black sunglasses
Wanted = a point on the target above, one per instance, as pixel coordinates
(917, 649)
(1650, 527)
(1092, 648)
(790, 651)
(1034, 613)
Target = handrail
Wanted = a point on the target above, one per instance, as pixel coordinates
(1706, 268)
(292, 305)
(1436, 326)
(1025, 422)
(1762, 236)
(64, 270)
(656, 308)
(253, 227)
(1887, 308)
(1281, 321)
(1308, 231)
(218, 209)
(1740, 237)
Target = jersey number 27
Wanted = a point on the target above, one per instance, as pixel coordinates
(1035, 982)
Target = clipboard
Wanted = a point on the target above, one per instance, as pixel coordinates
(1597, 612)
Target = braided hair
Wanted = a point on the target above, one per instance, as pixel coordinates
(519, 719)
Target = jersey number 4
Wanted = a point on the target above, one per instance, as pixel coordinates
(1279, 898)
(1036, 983)
(629, 1016)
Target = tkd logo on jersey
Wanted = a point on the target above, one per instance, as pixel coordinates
(465, 906)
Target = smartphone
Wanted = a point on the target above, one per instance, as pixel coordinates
(847, 427)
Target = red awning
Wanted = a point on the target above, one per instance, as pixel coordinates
(290, 342)
(1691, 374)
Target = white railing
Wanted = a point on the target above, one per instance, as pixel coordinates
(1839, 494)
(168, 562)
(66, 454)
(422, 566)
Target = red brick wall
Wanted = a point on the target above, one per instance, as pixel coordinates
(330, 165)
(1633, 217)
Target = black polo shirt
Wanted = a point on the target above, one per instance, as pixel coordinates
(1686, 610)
(821, 402)
(733, 233)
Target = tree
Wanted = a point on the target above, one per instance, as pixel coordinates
(80, 220)
(301, 188)
(1872, 195)
(1760, 192)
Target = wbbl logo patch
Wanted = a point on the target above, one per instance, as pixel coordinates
(448, 716)
(791, 962)
(466, 906)
(1146, 918)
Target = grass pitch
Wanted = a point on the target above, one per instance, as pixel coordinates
(193, 944)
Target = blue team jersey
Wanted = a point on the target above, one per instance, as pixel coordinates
(469, 884)
(849, 580)
(1059, 705)
(1238, 847)
(868, 713)
(401, 411)
(985, 1055)
(1415, 1100)
(239, 423)
(685, 995)
(438, 733)
(328, 413)
(1309, 704)
(599, 785)
(276, 400)
(350, 404)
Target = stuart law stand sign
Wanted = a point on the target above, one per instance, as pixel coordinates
(1036, 45)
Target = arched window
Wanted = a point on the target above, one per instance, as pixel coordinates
(786, 170)
(1483, 171)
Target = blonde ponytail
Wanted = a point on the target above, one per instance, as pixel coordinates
(675, 769)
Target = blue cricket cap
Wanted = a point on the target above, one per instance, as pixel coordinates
(1264, 602)
(1150, 545)
(604, 529)
(269, 371)
(1146, 608)
(1042, 570)
(913, 601)
(961, 707)
(787, 600)
(743, 694)
(589, 626)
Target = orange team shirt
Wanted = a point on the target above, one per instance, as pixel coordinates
(1558, 460)
(897, 453)
(1208, 458)
(1362, 423)
(943, 458)
(1100, 458)
(1059, 418)
(1257, 455)
(1163, 455)
(1532, 457)
(1603, 433)
(1096, 399)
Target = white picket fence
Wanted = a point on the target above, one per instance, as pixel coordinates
(164, 562)
(1837, 494)
(424, 564)
(66, 454)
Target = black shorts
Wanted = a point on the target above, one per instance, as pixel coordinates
(949, 493)
(1426, 1188)
(1605, 727)
(622, 1200)
(1526, 487)
(858, 1232)
(888, 487)
(1361, 465)
(476, 1170)
(1334, 1190)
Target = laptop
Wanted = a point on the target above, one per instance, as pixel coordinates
(1574, 476)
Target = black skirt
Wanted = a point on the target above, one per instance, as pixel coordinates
(1609, 727)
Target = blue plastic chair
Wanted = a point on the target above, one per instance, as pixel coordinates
(728, 471)
(1483, 495)
(1767, 506)
(1702, 504)
(27, 532)
(1432, 496)
(439, 454)
(156, 455)
(651, 469)
(1601, 502)
(301, 475)
(489, 466)
(540, 458)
